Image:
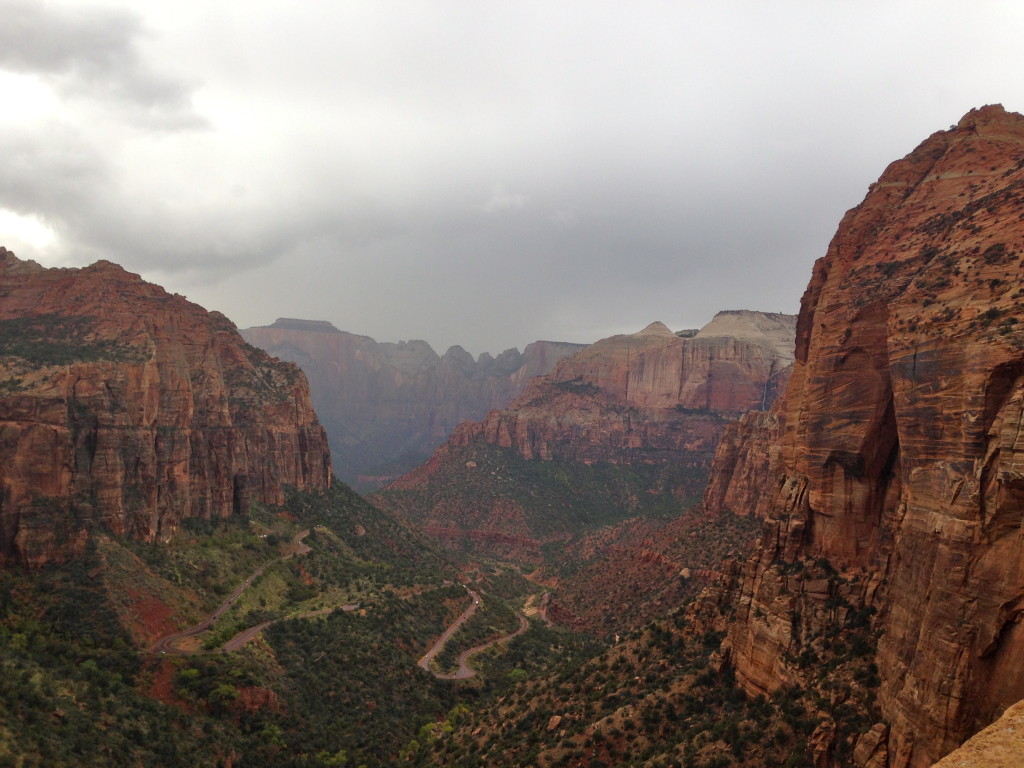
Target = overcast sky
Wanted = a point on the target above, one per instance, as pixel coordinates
(473, 172)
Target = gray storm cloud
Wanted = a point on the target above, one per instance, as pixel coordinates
(480, 174)
(93, 52)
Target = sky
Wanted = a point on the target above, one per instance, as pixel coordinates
(474, 172)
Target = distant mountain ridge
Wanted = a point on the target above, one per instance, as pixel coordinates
(622, 397)
(385, 405)
(650, 405)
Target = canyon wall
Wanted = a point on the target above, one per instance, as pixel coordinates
(387, 406)
(625, 427)
(896, 454)
(126, 408)
(645, 396)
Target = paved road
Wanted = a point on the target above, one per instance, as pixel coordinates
(465, 671)
(246, 635)
(447, 634)
(169, 644)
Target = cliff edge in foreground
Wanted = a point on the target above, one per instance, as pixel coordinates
(897, 452)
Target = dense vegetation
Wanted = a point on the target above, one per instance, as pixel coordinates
(556, 499)
(663, 695)
(338, 688)
(624, 577)
(42, 340)
(333, 679)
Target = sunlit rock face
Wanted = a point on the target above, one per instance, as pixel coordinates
(387, 406)
(126, 408)
(897, 451)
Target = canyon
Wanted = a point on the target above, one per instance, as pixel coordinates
(386, 406)
(874, 441)
(125, 408)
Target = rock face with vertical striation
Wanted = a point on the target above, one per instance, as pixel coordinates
(897, 453)
(127, 408)
(387, 406)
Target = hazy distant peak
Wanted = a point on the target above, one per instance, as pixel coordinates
(295, 324)
(774, 328)
(657, 328)
(456, 350)
(459, 357)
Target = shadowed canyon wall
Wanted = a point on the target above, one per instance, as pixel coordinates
(127, 408)
(387, 406)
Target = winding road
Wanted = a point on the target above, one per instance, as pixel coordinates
(465, 671)
(170, 643)
(438, 646)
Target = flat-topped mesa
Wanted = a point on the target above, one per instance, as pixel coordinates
(313, 326)
(771, 328)
(127, 408)
(897, 452)
(386, 406)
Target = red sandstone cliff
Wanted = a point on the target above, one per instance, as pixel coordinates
(642, 396)
(389, 405)
(628, 426)
(127, 408)
(897, 451)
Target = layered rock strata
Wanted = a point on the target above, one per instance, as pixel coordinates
(127, 408)
(650, 395)
(896, 454)
(632, 421)
(387, 406)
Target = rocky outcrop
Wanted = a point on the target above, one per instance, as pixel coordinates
(387, 406)
(1000, 745)
(742, 464)
(127, 408)
(896, 454)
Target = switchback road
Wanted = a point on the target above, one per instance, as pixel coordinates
(170, 643)
(465, 671)
(446, 635)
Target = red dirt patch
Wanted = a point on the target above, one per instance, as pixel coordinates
(161, 687)
(255, 698)
(149, 618)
